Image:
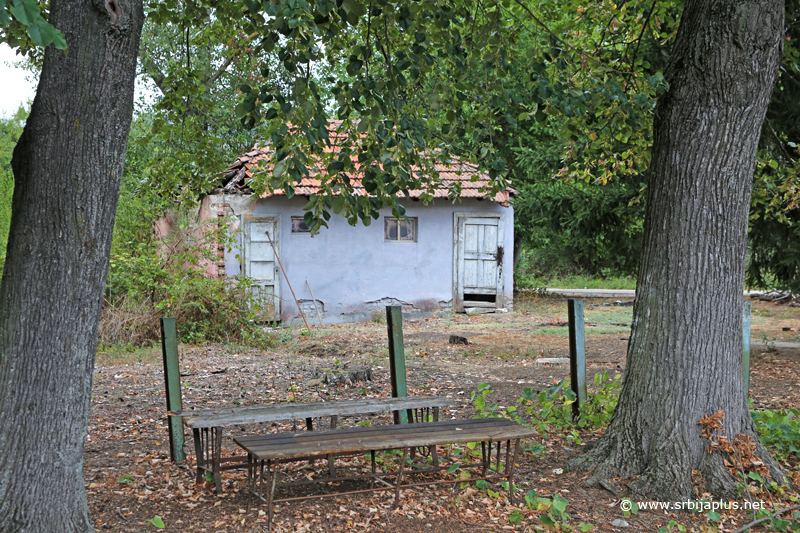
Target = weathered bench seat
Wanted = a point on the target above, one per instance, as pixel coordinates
(269, 450)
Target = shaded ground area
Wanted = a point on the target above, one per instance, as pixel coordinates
(130, 479)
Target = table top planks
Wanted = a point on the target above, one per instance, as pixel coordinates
(384, 437)
(232, 416)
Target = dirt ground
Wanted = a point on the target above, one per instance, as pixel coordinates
(130, 479)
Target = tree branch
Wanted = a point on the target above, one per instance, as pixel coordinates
(641, 33)
(214, 77)
(152, 70)
(562, 41)
(780, 142)
(638, 42)
(762, 520)
(221, 70)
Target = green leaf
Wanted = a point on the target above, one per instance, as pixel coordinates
(43, 33)
(157, 522)
(26, 12)
(453, 468)
(713, 515)
(36, 35)
(559, 504)
(59, 40)
(547, 520)
(354, 65)
(755, 477)
(280, 167)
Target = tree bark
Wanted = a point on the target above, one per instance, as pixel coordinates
(67, 167)
(684, 357)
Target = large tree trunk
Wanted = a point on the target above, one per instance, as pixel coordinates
(684, 357)
(67, 167)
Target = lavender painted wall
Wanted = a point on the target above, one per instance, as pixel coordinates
(353, 272)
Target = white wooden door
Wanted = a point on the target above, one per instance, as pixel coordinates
(260, 264)
(478, 262)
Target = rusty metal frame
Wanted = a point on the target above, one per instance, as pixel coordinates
(256, 476)
(208, 451)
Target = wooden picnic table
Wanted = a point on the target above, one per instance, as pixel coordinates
(268, 450)
(207, 424)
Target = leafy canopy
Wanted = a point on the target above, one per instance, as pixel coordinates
(421, 77)
(410, 81)
(24, 25)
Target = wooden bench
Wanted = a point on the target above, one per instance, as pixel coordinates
(207, 424)
(269, 450)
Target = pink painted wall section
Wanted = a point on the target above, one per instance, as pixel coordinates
(167, 234)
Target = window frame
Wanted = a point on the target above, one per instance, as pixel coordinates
(413, 221)
(298, 233)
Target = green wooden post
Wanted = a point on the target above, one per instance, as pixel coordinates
(172, 384)
(397, 358)
(577, 354)
(746, 311)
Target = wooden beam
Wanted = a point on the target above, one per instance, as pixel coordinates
(172, 385)
(397, 359)
(577, 354)
(747, 309)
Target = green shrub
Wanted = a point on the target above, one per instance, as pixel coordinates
(550, 410)
(779, 431)
(150, 278)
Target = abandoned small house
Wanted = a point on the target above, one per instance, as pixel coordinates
(440, 255)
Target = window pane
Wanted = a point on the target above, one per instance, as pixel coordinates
(390, 229)
(406, 230)
(299, 225)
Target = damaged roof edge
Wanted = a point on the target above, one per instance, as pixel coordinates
(236, 177)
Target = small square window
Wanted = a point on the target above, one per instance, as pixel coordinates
(299, 226)
(400, 229)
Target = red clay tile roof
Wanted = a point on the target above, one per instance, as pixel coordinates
(237, 176)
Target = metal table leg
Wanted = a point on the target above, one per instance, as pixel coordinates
(199, 455)
(270, 500)
(217, 442)
(400, 478)
(510, 470)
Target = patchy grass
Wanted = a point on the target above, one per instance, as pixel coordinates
(608, 315)
(575, 282)
(122, 354)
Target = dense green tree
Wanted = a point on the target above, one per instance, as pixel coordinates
(10, 131)
(774, 260)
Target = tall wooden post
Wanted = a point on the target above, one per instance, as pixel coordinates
(577, 354)
(172, 384)
(397, 358)
(747, 309)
